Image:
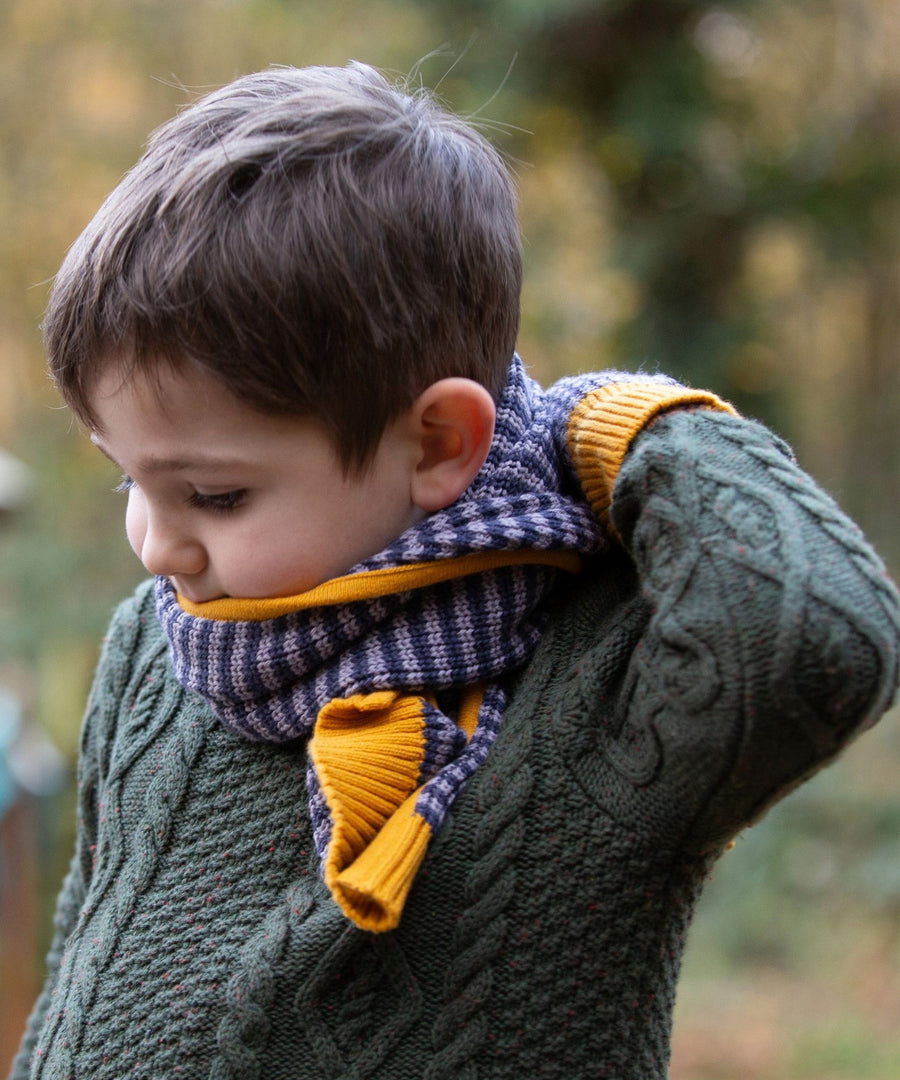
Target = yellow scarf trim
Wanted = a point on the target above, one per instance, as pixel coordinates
(370, 584)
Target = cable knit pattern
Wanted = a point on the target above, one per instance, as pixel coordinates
(479, 935)
(739, 637)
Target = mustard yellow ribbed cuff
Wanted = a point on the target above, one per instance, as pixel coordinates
(604, 423)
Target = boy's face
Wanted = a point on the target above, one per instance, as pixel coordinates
(226, 501)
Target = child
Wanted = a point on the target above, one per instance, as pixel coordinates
(307, 847)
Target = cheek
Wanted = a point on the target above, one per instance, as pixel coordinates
(135, 522)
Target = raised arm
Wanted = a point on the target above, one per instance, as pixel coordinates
(757, 628)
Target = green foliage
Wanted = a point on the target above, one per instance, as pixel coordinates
(64, 561)
(831, 852)
(844, 1051)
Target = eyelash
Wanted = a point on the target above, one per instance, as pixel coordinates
(224, 503)
(221, 503)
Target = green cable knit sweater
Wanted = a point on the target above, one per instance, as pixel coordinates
(738, 639)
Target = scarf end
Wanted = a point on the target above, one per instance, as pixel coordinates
(372, 890)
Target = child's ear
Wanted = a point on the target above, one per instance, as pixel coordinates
(454, 425)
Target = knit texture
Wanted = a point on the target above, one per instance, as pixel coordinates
(742, 634)
(359, 673)
(268, 678)
(603, 424)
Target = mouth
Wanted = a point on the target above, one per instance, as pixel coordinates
(194, 595)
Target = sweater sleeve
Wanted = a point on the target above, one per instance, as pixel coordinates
(765, 633)
(108, 686)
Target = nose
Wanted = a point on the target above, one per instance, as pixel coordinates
(171, 557)
(169, 550)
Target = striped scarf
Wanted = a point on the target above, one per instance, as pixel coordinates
(395, 671)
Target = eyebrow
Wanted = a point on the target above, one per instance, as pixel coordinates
(154, 464)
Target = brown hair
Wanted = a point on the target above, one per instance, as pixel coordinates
(317, 239)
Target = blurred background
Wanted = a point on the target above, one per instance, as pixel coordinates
(712, 189)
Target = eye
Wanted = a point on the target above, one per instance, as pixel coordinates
(221, 503)
(125, 484)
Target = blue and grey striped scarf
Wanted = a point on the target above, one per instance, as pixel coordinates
(395, 671)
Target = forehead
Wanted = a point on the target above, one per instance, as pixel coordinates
(167, 417)
(159, 387)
